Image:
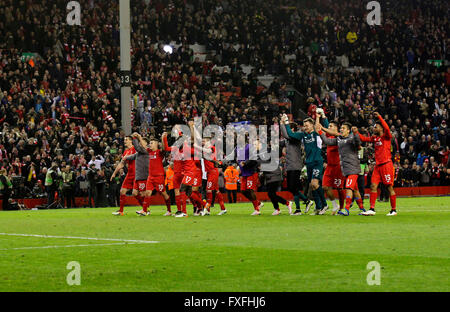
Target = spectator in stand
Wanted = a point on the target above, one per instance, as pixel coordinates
(68, 181)
(67, 100)
(425, 174)
(5, 188)
(435, 174)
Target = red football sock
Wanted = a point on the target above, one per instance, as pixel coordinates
(183, 202)
(373, 199)
(194, 204)
(140, 200)
(195, 197)
(219, 197)
(341, 194)
(256, 204)
(122, 202)
(146, 203)
(168, 204)
(360, 203)
(209, 198)
(200, 199)
(348, 202)
(178, 202)
(393, 200)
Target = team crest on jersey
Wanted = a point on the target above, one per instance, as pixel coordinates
(310, 140)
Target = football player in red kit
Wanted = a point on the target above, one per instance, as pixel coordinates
(333, 177)
(155, 180)
(192, 177)
(212, 174)
(196, 185)
(141, 168)
(128, 182)
(384, 168)
(177, 168)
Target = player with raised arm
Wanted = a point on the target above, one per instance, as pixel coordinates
(155, 180)
(190, 172)
(196, 185)
(332, 177)
(314, 160)
(196, 197)
(348, 145)
(177, 168)
(272, 180)
(384, 168)
(128, 182)
(212, 175)
(141, 159)
(294, 165)
(249, 177)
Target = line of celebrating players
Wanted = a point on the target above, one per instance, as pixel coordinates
(145, 174)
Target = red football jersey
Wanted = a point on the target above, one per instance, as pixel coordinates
(177, 164)
(209, 165)
(190, 165)
(382, 144)
(130, 163)
(155, 167)
(333, 154)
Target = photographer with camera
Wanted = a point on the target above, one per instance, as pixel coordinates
(5, 188)
(97, 161)
(52, 182)
(114, 188)
(101, 188)
(92, 177)
(110, 186)
(68, 182)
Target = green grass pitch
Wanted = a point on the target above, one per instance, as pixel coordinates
(235, 252)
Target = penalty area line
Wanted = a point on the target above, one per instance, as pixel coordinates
(86, 238)
(65, 246)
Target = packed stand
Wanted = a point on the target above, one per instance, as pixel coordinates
(64, 107)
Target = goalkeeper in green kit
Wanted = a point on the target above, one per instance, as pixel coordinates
(314, 161)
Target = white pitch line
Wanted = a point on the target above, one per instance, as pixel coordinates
(88, 238)
(64, 246)
(426, 210)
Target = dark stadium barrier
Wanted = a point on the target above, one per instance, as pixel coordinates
(158, 200)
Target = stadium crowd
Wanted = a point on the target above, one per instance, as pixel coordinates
(60, 110)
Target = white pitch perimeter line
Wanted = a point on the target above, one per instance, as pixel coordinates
(64, 246)
(88, 238)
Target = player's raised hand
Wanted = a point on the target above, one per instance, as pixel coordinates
(376, 114)
(191, 123)
(318, 127)
(164, 134)
(320, 112)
